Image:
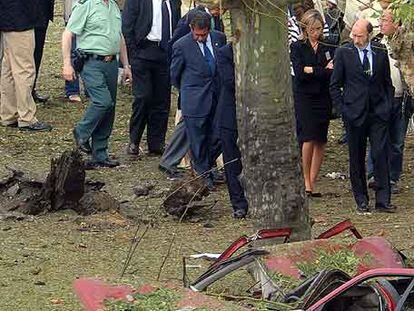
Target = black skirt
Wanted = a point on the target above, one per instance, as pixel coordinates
(313, 112)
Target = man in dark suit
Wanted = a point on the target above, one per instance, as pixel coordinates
(45, 10)
(227, 127)
(363, 70)
(178, 145)
(194, 73)
(147, 26)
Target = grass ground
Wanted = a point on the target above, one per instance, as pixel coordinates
(40, 257)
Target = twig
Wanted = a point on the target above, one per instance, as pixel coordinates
(133, 247)
(128, 258)
(174, 235)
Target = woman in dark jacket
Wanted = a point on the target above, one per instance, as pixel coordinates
(312, 65)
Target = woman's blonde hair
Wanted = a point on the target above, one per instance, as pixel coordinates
(309, 19)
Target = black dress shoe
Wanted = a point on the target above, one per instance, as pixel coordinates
(239, 214)
(363, 209)
(39, 98)
(170, 173)
(36, 127)
(155, 153)
(132, 149)
(385, 209)
(80, 144)
(92, 165)
(13, 125)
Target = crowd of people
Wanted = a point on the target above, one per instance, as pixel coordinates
(156, 48)
(350, 70)
(340, 65)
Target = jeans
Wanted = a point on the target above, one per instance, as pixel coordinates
(398, 125)
(72, 87)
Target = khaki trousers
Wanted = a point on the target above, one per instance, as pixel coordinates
(17, 78)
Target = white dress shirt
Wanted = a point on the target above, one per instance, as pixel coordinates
(209, 46)
(369, 55)
(155, 33)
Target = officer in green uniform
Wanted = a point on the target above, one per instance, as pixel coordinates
(97, 26)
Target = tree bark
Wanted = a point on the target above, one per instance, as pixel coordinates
(270, 152)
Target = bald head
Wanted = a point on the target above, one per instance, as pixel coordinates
(361, 33)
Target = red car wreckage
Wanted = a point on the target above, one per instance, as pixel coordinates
(381, 280)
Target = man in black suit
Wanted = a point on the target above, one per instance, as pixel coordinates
(45, 9)
(147, 26)
(194, 73)
(363, 70)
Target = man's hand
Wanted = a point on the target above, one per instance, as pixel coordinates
(330, 65)
(308, 69)
(127, 75)
(68, 72)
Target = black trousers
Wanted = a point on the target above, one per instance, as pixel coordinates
(151, 106)
(233, 170)
(40, 38)
(376, 130)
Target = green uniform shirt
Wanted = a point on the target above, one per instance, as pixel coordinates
(97, 26)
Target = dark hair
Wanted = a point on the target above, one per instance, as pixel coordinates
(201, 20)
(193, 12)
(370, 28)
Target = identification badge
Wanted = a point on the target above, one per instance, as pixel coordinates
(328, 56)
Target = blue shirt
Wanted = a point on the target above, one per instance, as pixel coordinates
(369, 54)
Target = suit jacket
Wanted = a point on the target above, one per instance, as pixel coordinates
(357, 93)
(45, 11)
(226, 107)
(17, 15)
(303, 55)
(137, 21)
(191, 75)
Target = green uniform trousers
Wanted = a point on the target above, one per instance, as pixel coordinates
(100, 79)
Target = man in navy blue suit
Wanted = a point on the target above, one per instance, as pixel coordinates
(362, 69)
(227, 128)
(178, 144)
(194, 72)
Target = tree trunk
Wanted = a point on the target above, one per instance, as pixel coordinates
(271, 160)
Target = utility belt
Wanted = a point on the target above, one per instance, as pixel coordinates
(105, 59)
(79, 58)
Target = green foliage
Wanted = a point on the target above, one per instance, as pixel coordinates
(403, 11)
(343, 259)
(159, 300)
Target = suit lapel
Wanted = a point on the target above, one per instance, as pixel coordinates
(357, 59)
(375, 56)
(214, 44)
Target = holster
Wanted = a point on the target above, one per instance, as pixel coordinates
(79, 58)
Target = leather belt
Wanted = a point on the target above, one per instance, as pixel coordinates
(147, 43)
(103, 58)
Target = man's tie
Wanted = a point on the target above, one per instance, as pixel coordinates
(365, 63)
(208, 56)
(166, 31)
